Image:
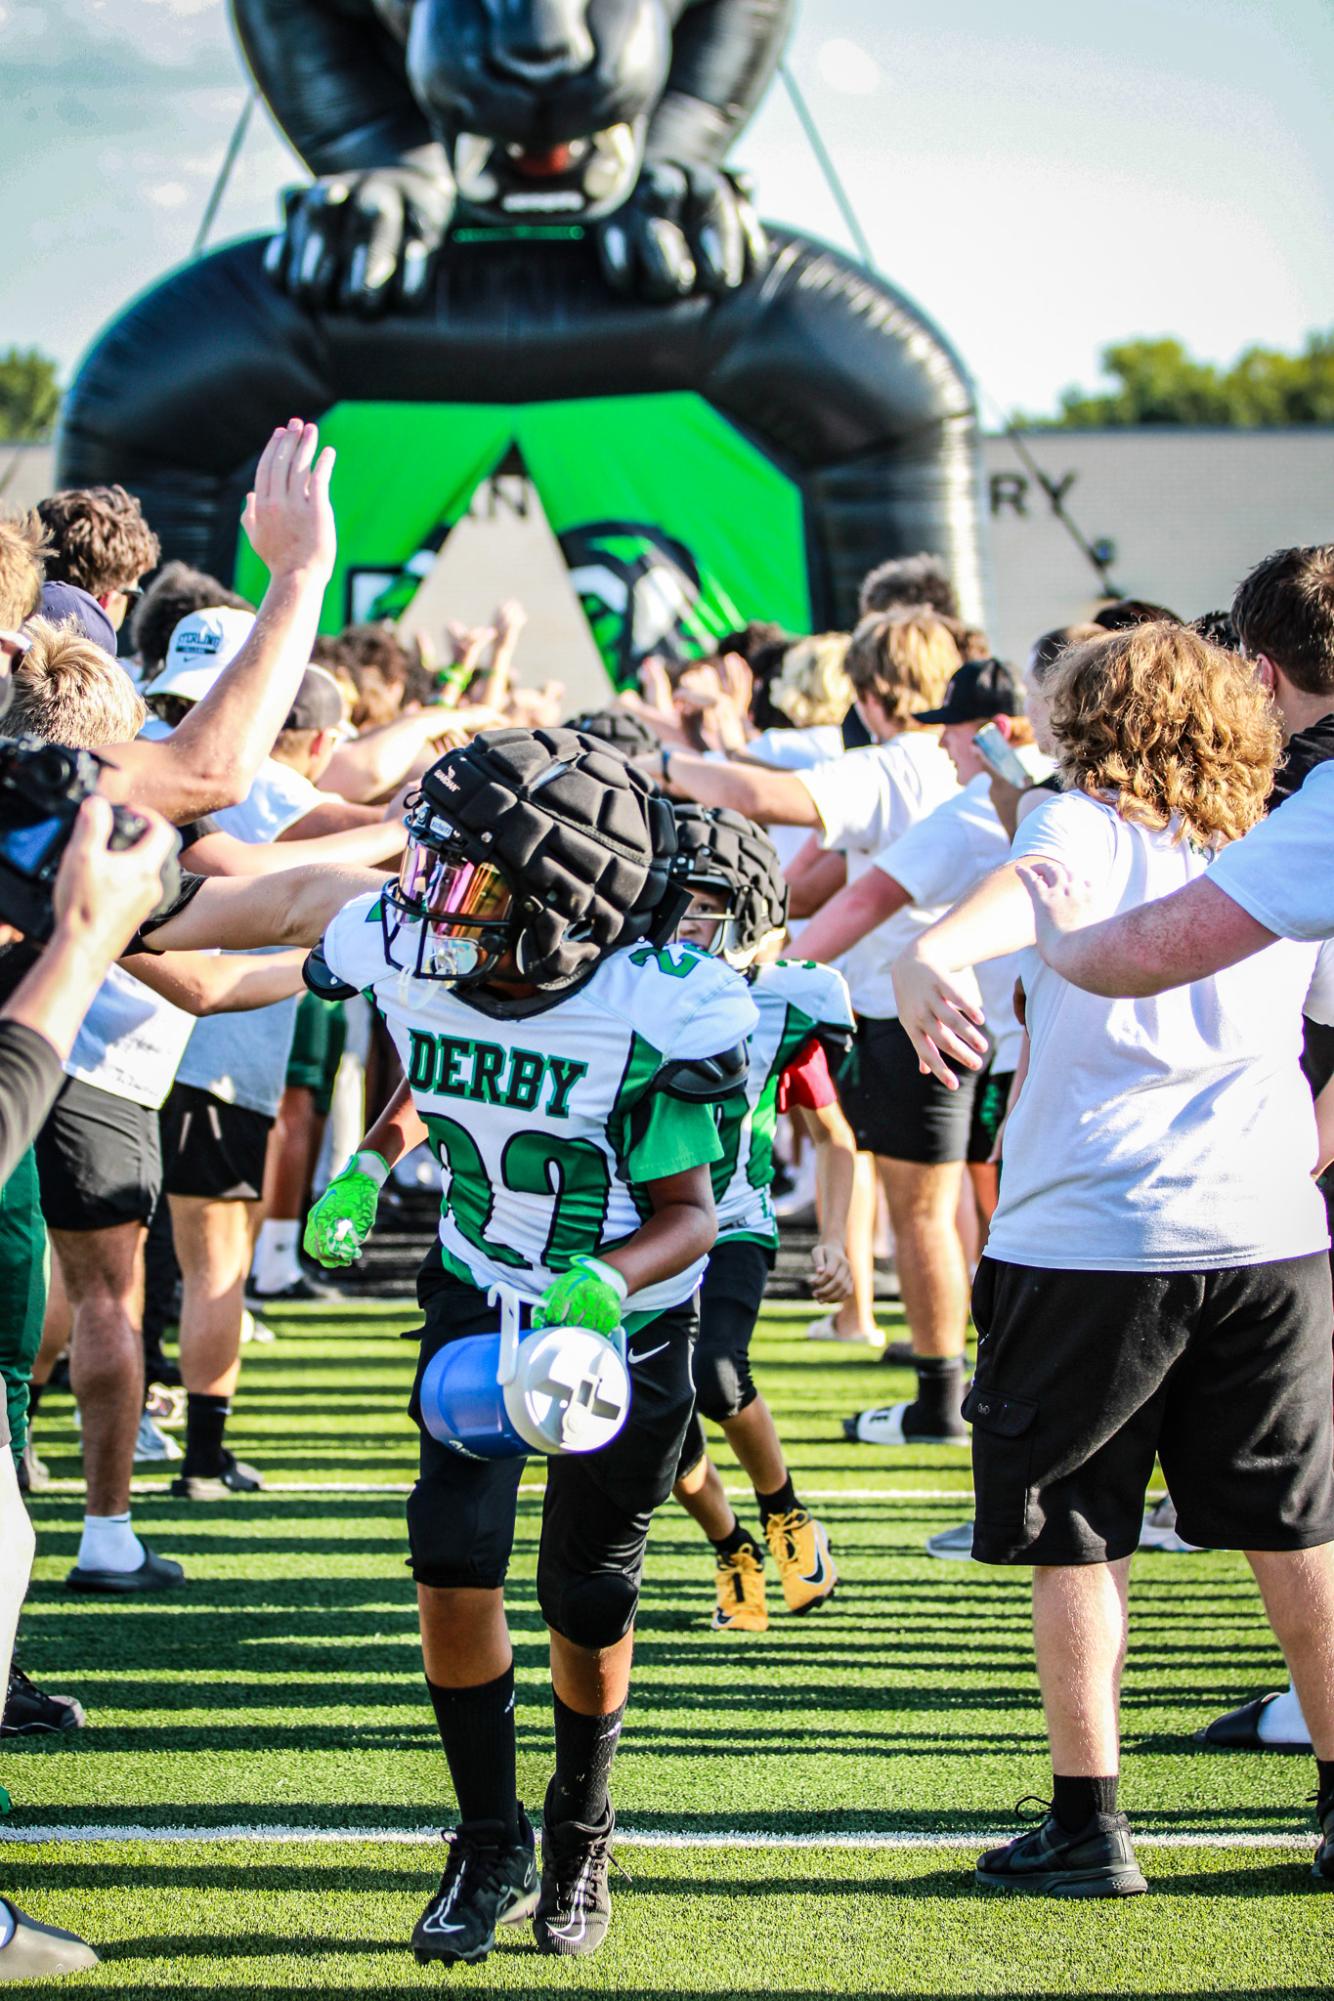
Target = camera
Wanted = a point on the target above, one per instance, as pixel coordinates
(42, 786)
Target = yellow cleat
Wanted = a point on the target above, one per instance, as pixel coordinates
(801, 1551)
(741, 1607)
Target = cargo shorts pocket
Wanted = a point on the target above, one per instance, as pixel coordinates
(1003, 1428)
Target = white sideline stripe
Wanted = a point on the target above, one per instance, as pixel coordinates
(64, 1488)
(391, 1837)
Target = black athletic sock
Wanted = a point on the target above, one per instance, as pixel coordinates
(781, 1503)
(585, 1748)
(205, 1421)
(939, 1394)
(35, 1393)
(1324, 1783)
(1075, 1801)
(738, 1538)
(477, 1731)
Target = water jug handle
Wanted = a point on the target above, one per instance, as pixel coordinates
(508, 1302)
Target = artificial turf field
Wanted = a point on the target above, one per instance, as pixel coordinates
(800, 1807)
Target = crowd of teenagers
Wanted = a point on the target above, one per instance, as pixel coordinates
(1015, 979)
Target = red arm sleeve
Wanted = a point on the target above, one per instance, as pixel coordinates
(806, 1082)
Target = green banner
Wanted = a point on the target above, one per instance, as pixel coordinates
(675, 528)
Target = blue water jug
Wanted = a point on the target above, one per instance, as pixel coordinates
(504, 1395)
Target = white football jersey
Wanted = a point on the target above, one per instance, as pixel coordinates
(795, 1000)
(546, 1125)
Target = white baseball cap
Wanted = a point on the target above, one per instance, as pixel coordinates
(202, 645)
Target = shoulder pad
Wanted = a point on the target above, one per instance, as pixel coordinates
(321, 979)
(700, 1080)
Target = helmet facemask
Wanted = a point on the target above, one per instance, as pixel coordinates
(453, 914)
(721, 927)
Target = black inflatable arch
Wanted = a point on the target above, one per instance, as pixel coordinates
(838, 380)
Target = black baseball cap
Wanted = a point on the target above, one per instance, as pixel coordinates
(66, 603)
(980, 688)
(319, 702)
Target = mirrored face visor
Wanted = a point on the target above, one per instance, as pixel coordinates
(451, 916)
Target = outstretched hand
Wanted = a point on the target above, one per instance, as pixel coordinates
(288, 515)
(943, 1015)
(1062, 906)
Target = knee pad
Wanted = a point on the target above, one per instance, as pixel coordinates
(723, 1385)
(591, 1612)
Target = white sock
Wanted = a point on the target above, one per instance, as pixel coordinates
(276, 1262)
(1282, 1722)
(109, 1543)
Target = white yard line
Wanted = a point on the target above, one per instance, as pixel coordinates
(71, 1488)
(385, 1837)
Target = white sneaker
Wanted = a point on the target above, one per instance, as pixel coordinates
(827, 1330)
(255, 1330)
(884, 1426)
(955, 1545)
(1159, 1531)
(800, 1197)
(153, 1446)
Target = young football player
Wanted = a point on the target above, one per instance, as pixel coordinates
(738, 908)
(564, 1058)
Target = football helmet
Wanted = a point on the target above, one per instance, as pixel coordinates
(724, 852)
(540, 845)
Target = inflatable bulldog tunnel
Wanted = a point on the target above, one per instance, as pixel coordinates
(522, 245)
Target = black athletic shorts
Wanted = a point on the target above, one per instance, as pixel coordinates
(598, 1505)
(991, 1101)
(212, 1149)
(892, 1108)
(730, 1298)
(1083, 1377)
(98, 1160)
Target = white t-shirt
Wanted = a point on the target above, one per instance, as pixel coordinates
(866, 800)
(278, 798)
(795, 750)
(131, 1041)
(1169, 1134)
(242, 1058)
(940, 860)
(1282, 874)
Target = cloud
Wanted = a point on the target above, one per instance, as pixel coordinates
(848, 68)
(166, 194)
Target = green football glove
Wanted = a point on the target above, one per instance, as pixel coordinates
(590, 1294)
(344, 1216)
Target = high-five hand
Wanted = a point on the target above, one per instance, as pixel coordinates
(288, 516)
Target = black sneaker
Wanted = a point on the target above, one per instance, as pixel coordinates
(575, 1908)
(31, 1712)
(301, 1291)
(1048, 1861)
(488, 1881)
(232, 1477)
(1322, 1869)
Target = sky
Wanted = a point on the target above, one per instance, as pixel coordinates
(1041, 179)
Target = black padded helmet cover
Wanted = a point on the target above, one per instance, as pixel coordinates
(624, 731)
(719, 845)
(586, 842)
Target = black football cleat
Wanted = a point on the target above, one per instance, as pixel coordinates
(575, 1907)
(1096, 1861)
(488, 1881)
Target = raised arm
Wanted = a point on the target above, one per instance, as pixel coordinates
(362, 846)
(226, 983)
(212, 759)
(1187, 936)
(242, 913)
(852, 915)
(774, 798)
